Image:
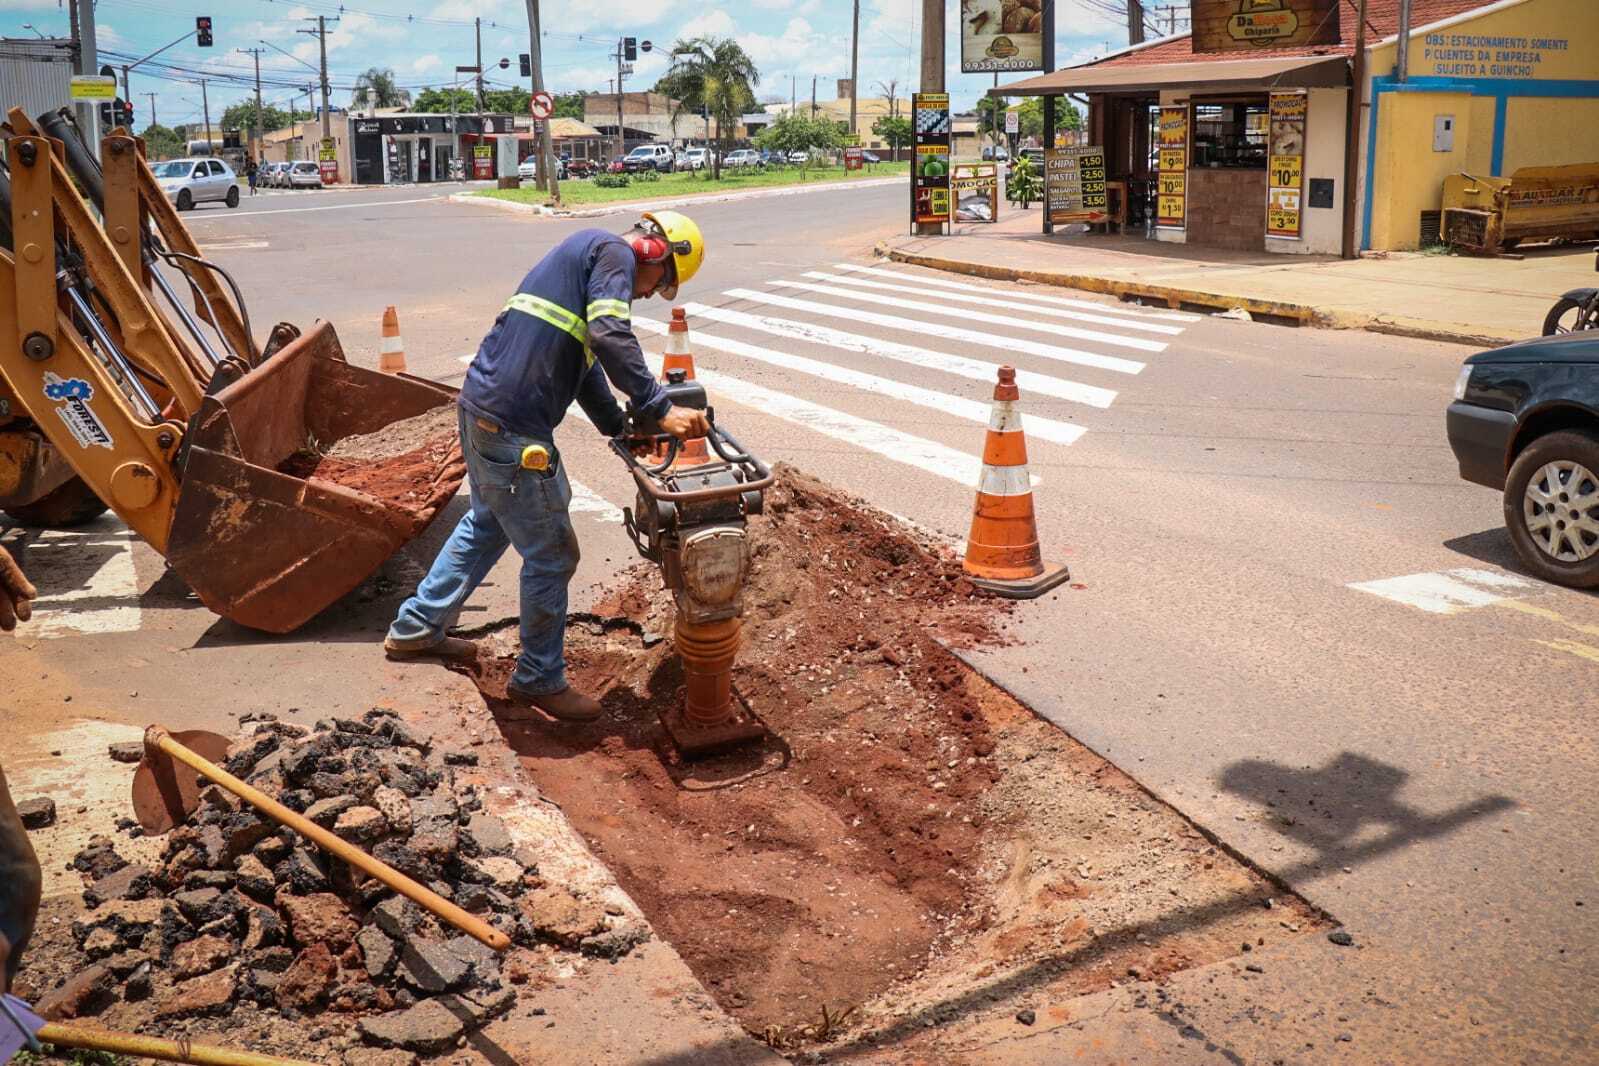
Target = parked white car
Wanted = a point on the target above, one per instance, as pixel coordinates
(743, 157)
(305, 175)
(278, 175)
(697, 158)
(192, 181)
(528, 169)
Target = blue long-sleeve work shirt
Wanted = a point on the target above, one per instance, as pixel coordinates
(559, 338)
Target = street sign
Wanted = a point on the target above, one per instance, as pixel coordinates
(853, 157)
(1013, 122)
(93, 87)
(542, 105)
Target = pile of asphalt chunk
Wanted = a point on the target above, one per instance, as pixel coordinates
(240, 910)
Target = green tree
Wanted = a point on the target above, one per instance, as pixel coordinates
(1032, 116)
(439, 101)
(716, 74)
(161, 142)
(375, 87)
(507, 101)
(241, 116)
(797, 133)
(570, 105)
(896, 131)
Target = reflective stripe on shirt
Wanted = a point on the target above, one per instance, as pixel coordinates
(613, 308)
(554, 314)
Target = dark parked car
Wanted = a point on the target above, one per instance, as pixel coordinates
(1526, 421)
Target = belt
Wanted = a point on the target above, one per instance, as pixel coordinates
(486, 426)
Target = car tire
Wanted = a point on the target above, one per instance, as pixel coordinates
(1551, 321)
(185, 200)
(233, 196)
(72, 503)
(1571, 456)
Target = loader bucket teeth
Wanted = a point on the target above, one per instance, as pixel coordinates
(270, 550)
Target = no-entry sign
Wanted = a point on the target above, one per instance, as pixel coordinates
(542, 105)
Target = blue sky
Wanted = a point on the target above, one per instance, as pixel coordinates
(791, 41)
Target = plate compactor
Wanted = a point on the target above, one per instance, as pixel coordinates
(692, 522)
(115, 393)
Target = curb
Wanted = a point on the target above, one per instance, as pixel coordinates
(1175, 298)
(622, 206)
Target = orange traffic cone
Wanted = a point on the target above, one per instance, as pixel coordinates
(1002, 552)
(391, 354)
(679, 357)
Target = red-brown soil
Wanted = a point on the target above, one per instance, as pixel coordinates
(407, 484)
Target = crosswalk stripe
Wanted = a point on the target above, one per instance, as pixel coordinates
(1012, 294)
(94, 566)
(587, 501)
(934, 329)
(1449, 591)
(1008, 321)
(995, 298)
(976, 369)
(971, 410)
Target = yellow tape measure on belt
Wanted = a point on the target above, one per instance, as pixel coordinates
(535, 457)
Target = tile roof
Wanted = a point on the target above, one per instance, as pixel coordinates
(1382, 20)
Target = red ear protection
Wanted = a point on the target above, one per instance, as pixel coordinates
(650, 248)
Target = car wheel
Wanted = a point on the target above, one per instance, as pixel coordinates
(185, 200)
(1552, 507)
(233, 196)
(1566, 316)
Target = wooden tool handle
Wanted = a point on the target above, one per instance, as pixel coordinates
(421, 895)
(150, 1047)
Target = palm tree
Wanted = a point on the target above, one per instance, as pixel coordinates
(375, 88)
(713, 74)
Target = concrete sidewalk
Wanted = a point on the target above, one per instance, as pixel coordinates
(1467, 300)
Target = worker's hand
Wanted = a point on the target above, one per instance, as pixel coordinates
(16, 594)
(685, 423)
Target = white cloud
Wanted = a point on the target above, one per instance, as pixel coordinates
(423, 64)
(713, 23)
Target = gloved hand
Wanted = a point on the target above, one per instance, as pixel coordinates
(685, 423)
(16, 594)
(19, 888)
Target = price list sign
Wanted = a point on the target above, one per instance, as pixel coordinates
(1171, 182)
(930, 199)
(1074, 184)
(1285, 165)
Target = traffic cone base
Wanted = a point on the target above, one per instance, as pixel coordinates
(1002, 551)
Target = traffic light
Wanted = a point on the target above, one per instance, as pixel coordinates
(629, 48)
(202, 31)
(124, 111)
(527, 65)
(107, 115)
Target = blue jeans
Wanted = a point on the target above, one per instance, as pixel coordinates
(511, 507)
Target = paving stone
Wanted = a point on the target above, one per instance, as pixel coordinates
(272, 850)
(307, 980)
(325, 812)
(98, 858)
(303, 872)
(486, 835)
(408, 861)
(395, 808)
(377, 951)
(246, 754)
(430, 966)
(320, 918)
(211, 994)
(361, 824)
(406, 735)
(37, 813)
(130, 882)
(102, 943)
(243, 830)
(254, 879)
(558, 915)
(202, 905)
(477, 1009)
(86, 993)
(501, 872)
(201, 955)
(430, 812)
(428, 1028)
(221, 880)
(127, 750)
(398, 917)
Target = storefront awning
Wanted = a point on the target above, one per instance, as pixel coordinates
(1294, 72)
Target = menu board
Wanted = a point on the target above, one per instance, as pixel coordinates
(930, 169)
(1171, 192)
(1285, 165)
(976, 188)
(1074, 184)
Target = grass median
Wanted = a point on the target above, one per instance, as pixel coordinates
(576, 192)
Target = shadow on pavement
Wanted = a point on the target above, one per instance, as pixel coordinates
(1357, 791)
(1493, 546)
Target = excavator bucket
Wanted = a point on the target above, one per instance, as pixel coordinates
(270, 549)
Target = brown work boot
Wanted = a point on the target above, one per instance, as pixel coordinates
(569, 705)
(447, 648)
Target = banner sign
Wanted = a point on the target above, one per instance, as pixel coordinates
(1003, 35)
(930, 168)
(327, 156)
(92, 87)
(1172, 183)
(976, 187)
(854, 158)
(1255, 25)
(1285, 165)
(1074, 184)
(1013, 121)
(482, 161)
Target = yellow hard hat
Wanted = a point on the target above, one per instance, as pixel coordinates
(688, 246)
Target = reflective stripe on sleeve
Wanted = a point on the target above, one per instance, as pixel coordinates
(613, 308)
(554, 314)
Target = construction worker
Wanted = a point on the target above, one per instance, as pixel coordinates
(19, 867)
(565, 333)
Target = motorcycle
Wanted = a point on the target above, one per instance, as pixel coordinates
(1576, 310)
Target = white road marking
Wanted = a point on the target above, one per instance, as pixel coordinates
(934, 329)
(976, 369)
(586, 501)
(235, 245)
(214, 216)
(1008, 321)
(971, 410)
(1013, 294)
(86, 582)
(1449, 591)
(995, 298)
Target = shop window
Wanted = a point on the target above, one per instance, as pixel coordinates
(1231, 134)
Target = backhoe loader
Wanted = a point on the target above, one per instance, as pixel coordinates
(116, 393)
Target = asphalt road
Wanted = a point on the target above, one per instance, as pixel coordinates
(1289, 617)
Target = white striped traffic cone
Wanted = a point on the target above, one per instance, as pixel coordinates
(391, 354)
(1002, 552)
(679, 356)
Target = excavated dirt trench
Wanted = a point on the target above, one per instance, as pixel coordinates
(908, 833)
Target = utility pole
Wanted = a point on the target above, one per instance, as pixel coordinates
(854, 67)
(1402, 52)
(1357, 106)
(321, 34)
(813, 97)
(547, 166)
(88, 54)
(621, 141)
(1171, 21)
(152, 106)
(257, 134)
(793, 100)
(205, 104)
(478, 22)
(1135, 22)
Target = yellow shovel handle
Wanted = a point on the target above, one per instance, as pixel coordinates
(158, 738)
(150, 1047)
